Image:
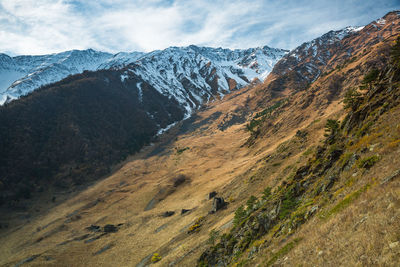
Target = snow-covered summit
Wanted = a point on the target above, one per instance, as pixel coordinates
(193, 75)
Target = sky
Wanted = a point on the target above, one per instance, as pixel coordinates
(49, 26)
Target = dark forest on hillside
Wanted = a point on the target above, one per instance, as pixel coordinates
(73, 131)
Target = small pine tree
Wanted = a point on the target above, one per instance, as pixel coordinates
(240, 214)
(351, 99)
(213, 236)
(266, 193)
(331, 127)
(251, 203)
(371, 77)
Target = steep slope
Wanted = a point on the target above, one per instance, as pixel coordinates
(314, 196)
(357, 155)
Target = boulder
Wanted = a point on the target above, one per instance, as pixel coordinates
(168, 213)
(110, 228)
(183, 211)
(212, 194)
(218, 203)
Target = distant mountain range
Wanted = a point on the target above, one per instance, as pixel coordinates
(171, 70)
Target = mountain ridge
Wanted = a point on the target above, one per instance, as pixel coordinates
(21, 75)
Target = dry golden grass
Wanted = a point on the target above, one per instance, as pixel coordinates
(217, 160)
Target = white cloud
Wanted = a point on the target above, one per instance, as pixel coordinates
(45, 26)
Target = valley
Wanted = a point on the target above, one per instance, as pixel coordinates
(307, 163)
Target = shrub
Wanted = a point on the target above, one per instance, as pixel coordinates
(240, 215)
(266, 193)
(351, 99)
(251, 203)
(155, 258)
(181, 150)
(289, 203)
(196, 226)
(213, 236)
(371, 77)
(331, 127)
(368, 162)
(178, 180)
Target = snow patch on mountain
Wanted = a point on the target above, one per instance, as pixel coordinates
(22, 74)
(194, 75)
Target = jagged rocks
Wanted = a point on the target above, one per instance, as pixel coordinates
(218, 203)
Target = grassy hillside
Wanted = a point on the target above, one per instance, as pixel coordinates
(310, 176)
(342, 169)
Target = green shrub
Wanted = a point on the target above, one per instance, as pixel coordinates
(266, 193)
(368, 162)
(213, 236)
(351, 99)
(371, 77)
(289, 203)
(251, 203)
(181, 150)
(240, 215)
(331, 127)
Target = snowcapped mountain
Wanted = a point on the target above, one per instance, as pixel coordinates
(194, 75)
(190, 74)
(22, 74)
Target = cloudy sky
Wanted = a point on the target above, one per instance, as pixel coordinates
(48, 26)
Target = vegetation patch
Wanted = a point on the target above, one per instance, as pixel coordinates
(213, 236)
(181, 150)
(345, 202)
(155, 258)
(368, 162)
(195, 227)
(266, 113)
